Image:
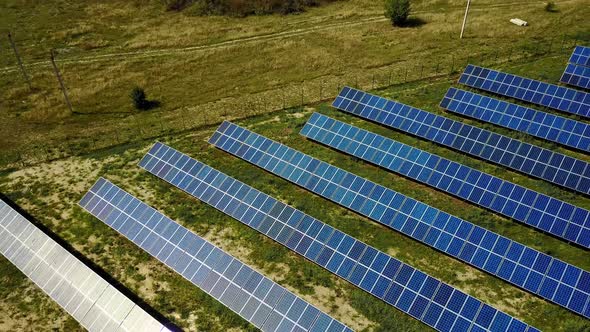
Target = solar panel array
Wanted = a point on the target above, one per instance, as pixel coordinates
(527, 158)
(400, 285)
(580, 56)
(522, 266)
(537, 210)
(577, 71)
(536, 92)
(576, 75)
(248, 293)
(91, 300)
(558, 129)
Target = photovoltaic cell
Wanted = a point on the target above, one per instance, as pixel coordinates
(488, 191)
(91, 300)
(536, 92)
(423, 297)
(527, 158)
(576, 75)
(558, 129)
(248, 293)
(522, 266)
(580, 56)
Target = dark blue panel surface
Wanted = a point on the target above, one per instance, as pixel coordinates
(456, 237)
(557, 217)
(532, 91)
(580, 56)
(558, 129)
(254, 297)
(577, 76)
(527, 158)
(383, 276)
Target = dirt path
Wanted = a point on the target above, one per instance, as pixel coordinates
(134, 55)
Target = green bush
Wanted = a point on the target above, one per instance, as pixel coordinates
(397, 11)
(551, 7)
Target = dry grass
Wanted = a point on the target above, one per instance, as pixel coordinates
(330, 45)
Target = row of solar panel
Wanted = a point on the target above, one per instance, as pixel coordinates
(421, 296)
(525, 267)
(91, 300)
(576, 75)
(572, 133)
(580, 56)
(527, 158)
(577, 72)
(536, 92)
(540, 211)
(248, 293)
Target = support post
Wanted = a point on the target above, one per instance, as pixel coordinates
(20, 63)
(60, 80)
(465, 19)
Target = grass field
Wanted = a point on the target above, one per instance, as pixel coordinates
(205, 69)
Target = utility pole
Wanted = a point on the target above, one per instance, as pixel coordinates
(465, 19)
(61, 83)
(20, 63)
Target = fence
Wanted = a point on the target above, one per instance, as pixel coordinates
(148, 126)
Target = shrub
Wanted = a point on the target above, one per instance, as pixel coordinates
(397, 11)
(550, 7)
(140, 100)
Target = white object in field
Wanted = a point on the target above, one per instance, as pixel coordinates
(519, 22)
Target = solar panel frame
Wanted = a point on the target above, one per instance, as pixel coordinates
(576, 75)
(88, 298)
(530, 159)
(248, 293)
(469, 184)
(580, 56)
(366, 267)
(549, 95)
(554, 128)
(457, 238)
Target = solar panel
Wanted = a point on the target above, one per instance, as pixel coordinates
(248, 293)
(536, 92)
(423, 297)
(488, 191)
(522, 266)
(580, 56)
(527, 158)
(576, 75)
(558, 129)
(91, 300)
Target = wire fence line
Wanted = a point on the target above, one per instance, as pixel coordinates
(148, 126)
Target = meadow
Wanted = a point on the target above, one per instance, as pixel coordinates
(268, 73)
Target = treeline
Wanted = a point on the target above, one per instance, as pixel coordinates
(242, 7)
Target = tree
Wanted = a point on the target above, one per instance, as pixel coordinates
(397, 11)
(139, 99)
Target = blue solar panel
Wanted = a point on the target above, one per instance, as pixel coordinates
(498, 195)
(577, 76)
(423, 297)
(498, 255)
(558, 129)
(527, 158)
(536, 92)
(248, 293)
(580, 56)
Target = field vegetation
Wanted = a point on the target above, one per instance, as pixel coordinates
(204, 69)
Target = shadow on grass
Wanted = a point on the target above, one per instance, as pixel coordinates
(414, 22)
